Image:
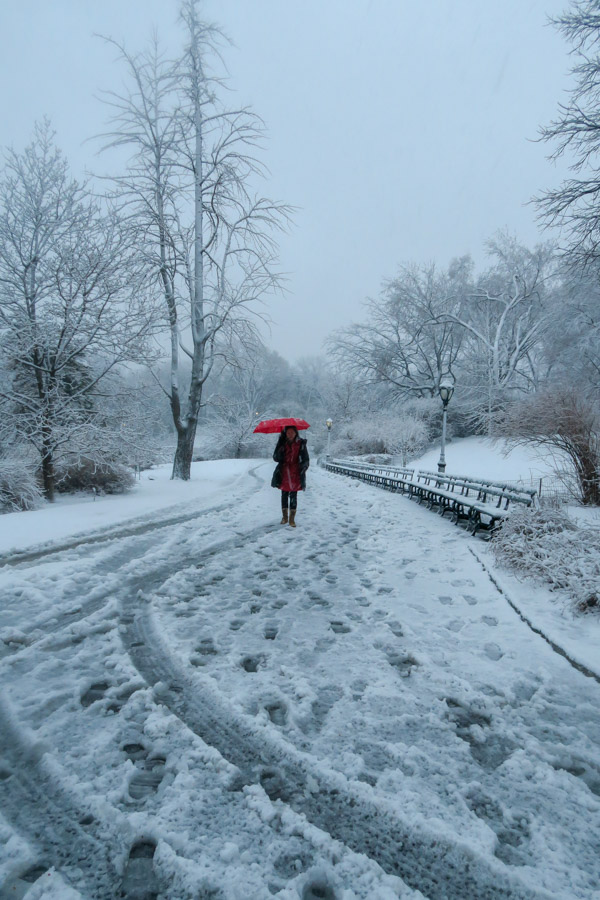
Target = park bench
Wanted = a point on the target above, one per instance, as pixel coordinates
(482, 504)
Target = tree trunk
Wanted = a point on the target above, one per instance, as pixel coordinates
(589, 478)
(48, 475)
(182, 463)
(187, 434)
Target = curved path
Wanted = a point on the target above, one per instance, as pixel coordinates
(355, 698)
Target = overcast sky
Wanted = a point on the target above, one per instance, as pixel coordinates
(402, 130)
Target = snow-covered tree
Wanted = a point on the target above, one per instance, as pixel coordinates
(504, 319)
(411, 338)
(72, 305)
(574, 205)
(199, 227)
(572, 339)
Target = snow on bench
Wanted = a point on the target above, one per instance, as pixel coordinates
(482, 503)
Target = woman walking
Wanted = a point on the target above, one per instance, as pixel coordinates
(291, 456)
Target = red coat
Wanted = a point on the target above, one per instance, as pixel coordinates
(290, 469)
(292, 462)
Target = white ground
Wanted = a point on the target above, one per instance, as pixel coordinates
(478, 457)
(206, 704)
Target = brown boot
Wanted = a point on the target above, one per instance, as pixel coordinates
(284, 516)
(293, 518)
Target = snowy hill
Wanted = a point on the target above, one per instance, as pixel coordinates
(480, 457)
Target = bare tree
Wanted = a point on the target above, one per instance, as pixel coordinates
(561, 419)
(503, 319)
(574, 206)
(206, 237)
(71, 305)
(410, 339)
(572, 340)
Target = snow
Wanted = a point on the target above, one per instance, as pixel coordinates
(208, 704)
(72, 516)
(493, 460)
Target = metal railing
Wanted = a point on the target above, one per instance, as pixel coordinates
(481, 501)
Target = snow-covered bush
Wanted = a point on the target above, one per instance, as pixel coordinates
(19, 489)
(567, 422)
(546, 544)
(225, 441)
(393, 433)
(85, 473)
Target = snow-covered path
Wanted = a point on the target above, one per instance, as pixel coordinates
(220, 706)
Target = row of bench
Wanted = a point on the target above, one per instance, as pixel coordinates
(481, 503)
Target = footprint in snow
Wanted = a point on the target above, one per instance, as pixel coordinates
(489, 620)
(236, 624)
(318, 889)
(184, 613)
(488, 749)
(339, 627)
(470, 599)
(271, 632)
(455, 625)
(404, 663)
(97, 691)
(296, 858)
(20, 886)
(447, 601)
(216, 579)
(145, 781)
(139, 879)
(324, 643)
(581, 769)
(135, 751)
(203, 652)
(277, 712)
(273, 784)
(493, 652)
(316, 600)
(94, 692)
(253, 663)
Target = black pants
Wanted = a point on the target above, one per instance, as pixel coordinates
(293, 495)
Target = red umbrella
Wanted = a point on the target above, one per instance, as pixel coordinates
(274, 426)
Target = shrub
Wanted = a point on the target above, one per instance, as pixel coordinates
(548, 545)
(85, 473)
(565, 421)
(394, 433)
(19, 489)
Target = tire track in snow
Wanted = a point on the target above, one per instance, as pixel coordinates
(15, 559)
(439, 868)
(56, 623)
(39, 809)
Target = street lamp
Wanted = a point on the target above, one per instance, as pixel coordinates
(329, 423)
(446, 389)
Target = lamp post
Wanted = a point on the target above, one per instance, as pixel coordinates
(329, 423)
(446, 389)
